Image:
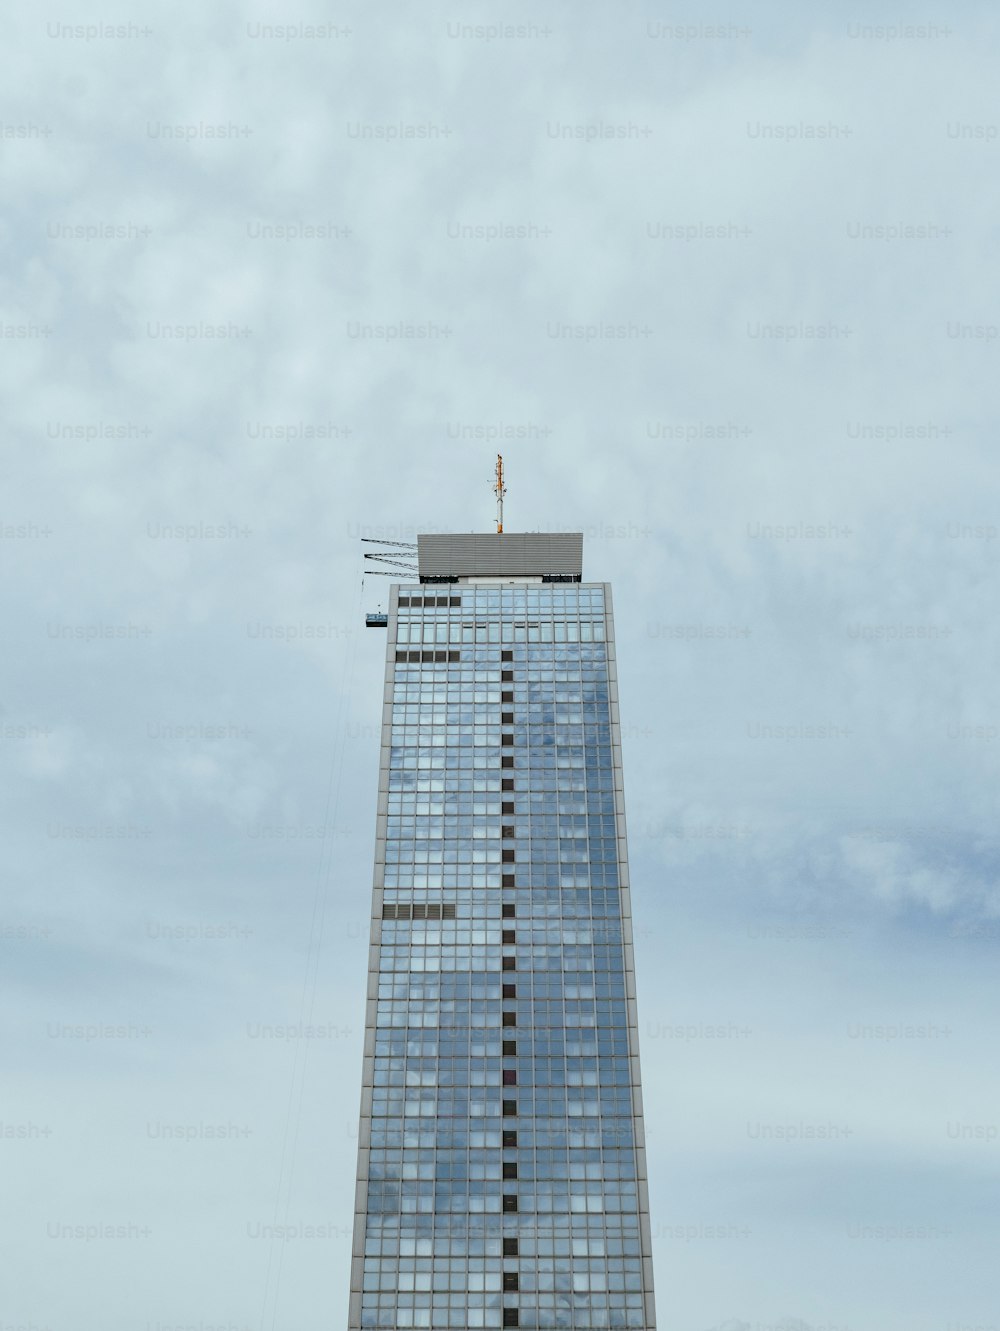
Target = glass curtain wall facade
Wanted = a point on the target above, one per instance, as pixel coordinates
(501, 1172)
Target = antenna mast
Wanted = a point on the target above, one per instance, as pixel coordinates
(499, 490)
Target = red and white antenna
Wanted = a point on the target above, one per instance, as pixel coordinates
(499, 489)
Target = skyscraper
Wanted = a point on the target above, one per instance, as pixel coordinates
(501, 1163)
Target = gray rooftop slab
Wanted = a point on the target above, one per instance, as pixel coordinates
(499, 554)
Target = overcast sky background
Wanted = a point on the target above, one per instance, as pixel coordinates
(779, 440)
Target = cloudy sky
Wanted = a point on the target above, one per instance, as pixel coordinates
(724, 282)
